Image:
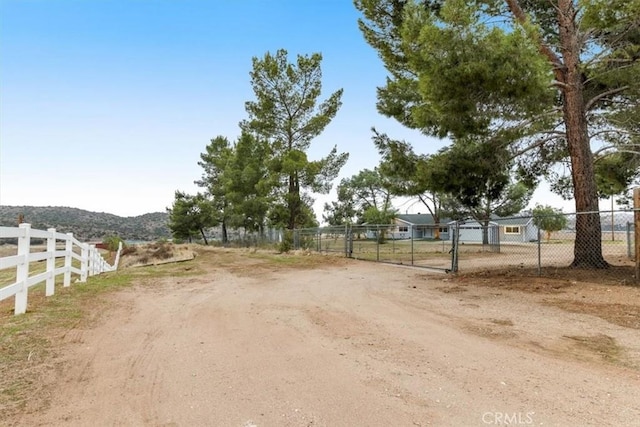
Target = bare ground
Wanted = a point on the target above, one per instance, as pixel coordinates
(336, 342)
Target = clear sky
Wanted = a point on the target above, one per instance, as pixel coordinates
(106, 105)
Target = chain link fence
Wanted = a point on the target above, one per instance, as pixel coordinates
(242, 238)
(501, 243)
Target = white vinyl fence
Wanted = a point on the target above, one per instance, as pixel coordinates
(88, 257)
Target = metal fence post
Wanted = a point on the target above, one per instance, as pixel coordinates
(350, 241)
(412, 235)
(346, 241)
(636, 226)
(377, 243)
(539, 254)
(629, 254)
(454, 248)
(393, 245)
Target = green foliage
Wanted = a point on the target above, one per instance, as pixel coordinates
(373, 215)
(547, 79)
(237, 176)
(190, 215)
(367, 191)
(408, 174)
(452, 71)
(113, 243)
(476, 177)
(287, 116)
(287, 242)
(549, 219)
(616, 172)
(216, 164)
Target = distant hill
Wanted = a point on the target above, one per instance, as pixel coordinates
(86, 225)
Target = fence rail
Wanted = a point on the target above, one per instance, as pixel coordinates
(469, 245)
(88, 262)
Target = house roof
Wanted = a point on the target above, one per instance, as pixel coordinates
(516, 220)
(496, 220)
(427, 219)
(419, 219)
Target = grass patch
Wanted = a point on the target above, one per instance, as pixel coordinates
(601, 346)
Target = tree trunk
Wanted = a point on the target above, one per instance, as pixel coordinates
(225, 236)
(588, 245)
(204, 237)
(293, 201)
(485, 232)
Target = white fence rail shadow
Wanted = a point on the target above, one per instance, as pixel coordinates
(88, 257)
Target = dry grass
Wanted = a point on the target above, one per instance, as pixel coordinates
(155, 254)
(600, 347)
(627, 315)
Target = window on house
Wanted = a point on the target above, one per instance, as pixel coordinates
(511, 230)
(403, 229)
(444, 229)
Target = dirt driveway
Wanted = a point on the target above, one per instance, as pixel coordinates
(346, 343)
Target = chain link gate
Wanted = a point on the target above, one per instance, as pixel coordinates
(504, 243)
(388, 243)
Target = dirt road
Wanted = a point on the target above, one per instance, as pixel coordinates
(345, 343)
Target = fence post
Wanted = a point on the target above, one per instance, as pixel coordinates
(90, 261)
(539, 254)
(393, 245)
(68, 248)
(412, 234)
(636, 217)
(117, 260)
(51, 262)
(454, 248)
(93, 261)
(22, 269)
(377, 243)
(84, 262)
(629, 253)
(346, 241)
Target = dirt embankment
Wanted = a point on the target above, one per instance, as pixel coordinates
(334, 342)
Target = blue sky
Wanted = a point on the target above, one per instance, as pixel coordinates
(106, 105)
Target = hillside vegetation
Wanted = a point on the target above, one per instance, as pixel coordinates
(86, 225)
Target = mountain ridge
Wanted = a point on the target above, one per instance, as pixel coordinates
(89, 225)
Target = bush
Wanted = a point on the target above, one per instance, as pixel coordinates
(128, 250)
(163, 251)
(112, 243)
(287, 241)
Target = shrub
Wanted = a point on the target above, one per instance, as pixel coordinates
(128, 250)
(287, 241)
(112, 243)
(163, 251)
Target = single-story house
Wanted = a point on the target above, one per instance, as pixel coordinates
(423, 226)
(416, 226)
